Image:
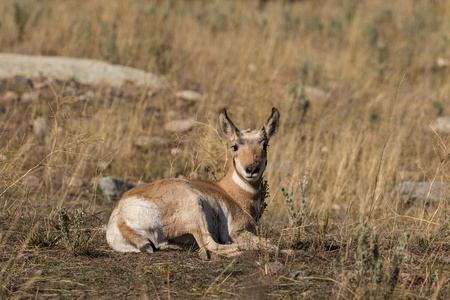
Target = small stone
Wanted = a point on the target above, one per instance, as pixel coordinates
(442, 62)
(419, 191)
(251, 68)
(179, 125)
(151, 141)
(315, 94)
(75, 182)
(89, 95)
(29, 97)
(299, 274)
(113, 188)
(40, 128)
(3, 157)
(442, 124)
(24, 80)
(43, 84)
(102, 165)
(9, 97)
(336, 206)
(176, 151)
(273, 268)
(189, 95)
(30, 182)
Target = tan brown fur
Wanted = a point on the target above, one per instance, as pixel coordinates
(128, 233)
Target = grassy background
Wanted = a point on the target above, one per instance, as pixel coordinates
(376, 60)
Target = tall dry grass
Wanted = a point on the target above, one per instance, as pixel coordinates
(375, 59)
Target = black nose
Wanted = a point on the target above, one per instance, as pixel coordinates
(252, 169)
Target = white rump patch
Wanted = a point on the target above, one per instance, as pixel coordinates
(142, 216)
(242, 184)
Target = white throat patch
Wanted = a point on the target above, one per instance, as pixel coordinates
(242, 184)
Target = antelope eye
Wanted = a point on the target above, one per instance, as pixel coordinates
(235, 148)
(265, 147)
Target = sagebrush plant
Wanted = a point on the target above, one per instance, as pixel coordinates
(394, 268)
(297, 209)
(265, 194)
(77, 239)
(371, 279)
(44, 237)
(297, 212)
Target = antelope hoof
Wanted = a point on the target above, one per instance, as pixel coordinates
(204, 254)
(146, 248)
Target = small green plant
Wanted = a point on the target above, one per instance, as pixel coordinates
(370, 279)
(298, 101)
(363, 250)
(76, 238)
(324, 231)
(264, 195)
(289, 199)
(424, 243)
(43, 237)
(395, 265)
(368, 261)
(21, 16)
(111, 52)
(297, 218)
(377, 262)
(63, 219)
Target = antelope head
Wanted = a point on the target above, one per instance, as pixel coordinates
(249, 146)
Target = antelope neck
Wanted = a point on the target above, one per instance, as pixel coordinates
(236, 186)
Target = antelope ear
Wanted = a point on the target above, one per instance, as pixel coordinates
(227, 126)
(271, 125)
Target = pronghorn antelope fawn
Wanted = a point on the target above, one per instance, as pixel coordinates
(218, 216)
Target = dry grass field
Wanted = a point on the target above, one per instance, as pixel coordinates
(357, 83)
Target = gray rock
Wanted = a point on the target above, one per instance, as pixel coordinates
(89, 95)
(9, 97)
(113, 188)
(442, 124)
(87, 71)
(179, 125)
(102, 165)
(40, 127)
(74, 182)
(315, 94)
(176, 151)
(442, 62)
(410, 191)
(299, 274)
(273, 268)
(29, 97)
(189, 95)
(24, 80)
